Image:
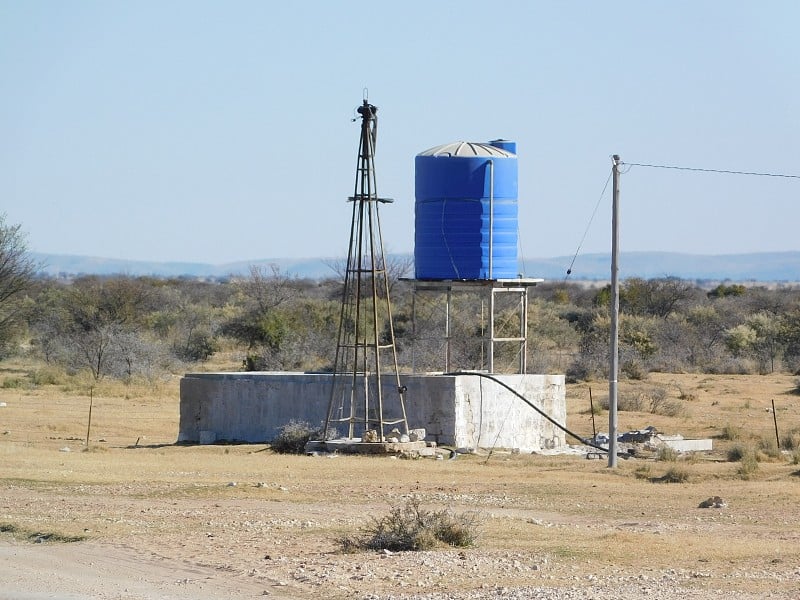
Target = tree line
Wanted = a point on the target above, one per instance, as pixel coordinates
(142, 327)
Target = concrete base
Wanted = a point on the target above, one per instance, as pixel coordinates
(682, 445)
(345, 446)
(457, 410)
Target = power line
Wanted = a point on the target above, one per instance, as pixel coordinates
(724, 171)
(588, 225)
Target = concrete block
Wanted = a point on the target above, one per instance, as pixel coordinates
(460, 410)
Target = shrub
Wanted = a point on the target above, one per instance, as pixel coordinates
(791, 440)
(731, 432)
(626, 402)
(634, 369)
(411, 527)
(769, 448)
(12, 383)
(748, 465)
(294, 436)
(47, 376)
(667, 454)
(642, 472)
(738, 451)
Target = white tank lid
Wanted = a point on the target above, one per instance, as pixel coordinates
(467, 149)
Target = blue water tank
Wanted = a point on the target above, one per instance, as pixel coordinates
(466, 222)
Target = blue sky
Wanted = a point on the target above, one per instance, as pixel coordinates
(220, 131)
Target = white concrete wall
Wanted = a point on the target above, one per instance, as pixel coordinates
(460, 410)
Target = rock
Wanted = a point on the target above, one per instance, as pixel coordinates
(417, 435)
(713, 502)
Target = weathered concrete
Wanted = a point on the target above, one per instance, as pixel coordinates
(460, 410)
(681, 445)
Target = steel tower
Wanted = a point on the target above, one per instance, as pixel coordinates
(366, 341)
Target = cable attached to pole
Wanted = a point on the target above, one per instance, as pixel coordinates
(533, 406)
(588, 225)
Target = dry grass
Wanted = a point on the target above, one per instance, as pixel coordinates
(576, 513)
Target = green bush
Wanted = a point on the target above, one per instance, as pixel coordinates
(411, 527)
(12, 383)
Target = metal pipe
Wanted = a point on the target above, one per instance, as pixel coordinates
(613, 368)
(491, 218)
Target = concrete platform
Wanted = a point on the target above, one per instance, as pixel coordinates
(356, 446)
(456, 410)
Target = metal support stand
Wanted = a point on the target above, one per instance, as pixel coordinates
(494, 335)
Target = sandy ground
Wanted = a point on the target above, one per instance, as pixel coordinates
(163, 521)
(97, 571)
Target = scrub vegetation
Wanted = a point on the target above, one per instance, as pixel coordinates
(141, 328)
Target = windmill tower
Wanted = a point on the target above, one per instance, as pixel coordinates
(366, 343)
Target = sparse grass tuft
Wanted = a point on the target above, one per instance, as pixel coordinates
(738, 451)
(643, 472)
(731, 432)
(791, 440)
(677, 473)
(768, 448)
(411, 527)
(667, 454)
(748, 466)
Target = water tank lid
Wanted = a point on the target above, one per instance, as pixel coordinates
(467, 149)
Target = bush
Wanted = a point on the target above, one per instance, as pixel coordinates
(47, 376)
(634, 369)
(738, 451)
(667, 454)
(748, 466)
(731, 432)
(791, 440)
(626, 402)
(769, 448)
(12, 383)
(412, 528)
(294, 436)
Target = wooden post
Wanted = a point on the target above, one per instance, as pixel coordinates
(775, 419)
(89, 426)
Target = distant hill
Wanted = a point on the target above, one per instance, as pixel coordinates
(756, 267)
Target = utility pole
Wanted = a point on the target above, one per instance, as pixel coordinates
(613, 366)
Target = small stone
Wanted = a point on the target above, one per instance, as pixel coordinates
(417, 435)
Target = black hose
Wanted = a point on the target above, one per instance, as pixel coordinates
(534, 407)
